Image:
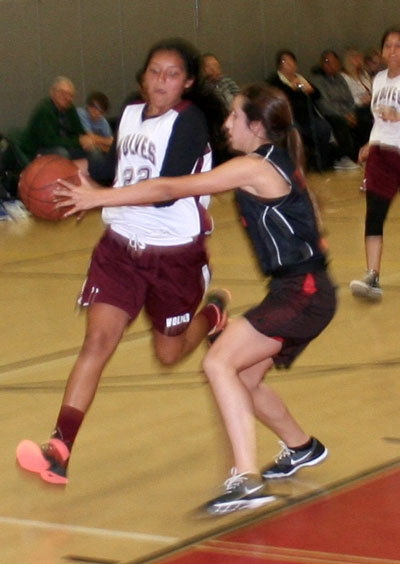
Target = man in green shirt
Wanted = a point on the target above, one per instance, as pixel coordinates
(54, 126)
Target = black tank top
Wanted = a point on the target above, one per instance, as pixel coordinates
(283, 231)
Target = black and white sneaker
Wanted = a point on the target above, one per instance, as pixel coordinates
(290, 461)
(242, 491)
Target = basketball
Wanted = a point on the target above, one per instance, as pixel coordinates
(39, 180)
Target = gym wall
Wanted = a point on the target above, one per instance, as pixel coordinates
(100, 44)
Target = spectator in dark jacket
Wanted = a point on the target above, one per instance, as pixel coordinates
(303, 96)
(337, 104)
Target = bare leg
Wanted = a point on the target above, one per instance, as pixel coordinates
(171, 349)
(105, 327)
(373, 251)
(241, 353)
(269, 407)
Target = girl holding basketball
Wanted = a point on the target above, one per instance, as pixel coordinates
(281, 222)
(146, 252)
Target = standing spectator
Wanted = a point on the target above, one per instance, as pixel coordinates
(54, 126)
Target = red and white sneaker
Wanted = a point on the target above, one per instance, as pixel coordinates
(49, 460)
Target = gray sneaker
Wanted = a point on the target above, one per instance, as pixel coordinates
(242, 491)
(345, 164)
(367, 287)
(16, 209)
(290, 461)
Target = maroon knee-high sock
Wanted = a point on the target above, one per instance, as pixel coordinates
(68, 424)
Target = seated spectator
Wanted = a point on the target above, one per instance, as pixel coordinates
(315, 130)
(225, 86)
(357, 78)
(133, 96)
(94, 122)
(54, 126)
(373, 62)
(337, 105)
(360, 85)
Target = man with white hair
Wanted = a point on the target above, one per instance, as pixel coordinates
(54, 126)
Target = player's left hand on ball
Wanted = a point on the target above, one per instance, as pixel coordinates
(76, 198)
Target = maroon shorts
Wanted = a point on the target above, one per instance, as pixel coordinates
(382, 171)
(296, 309)
(169, 282)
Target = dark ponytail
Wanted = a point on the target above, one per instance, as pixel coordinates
(271, 107)
(295, 148)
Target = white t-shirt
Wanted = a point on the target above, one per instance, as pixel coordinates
(358, 88)
(164, 145)
(385, 101)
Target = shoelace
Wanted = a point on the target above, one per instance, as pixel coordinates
(235, 480)
(285, 452)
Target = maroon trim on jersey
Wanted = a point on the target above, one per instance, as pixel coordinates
(182, 105)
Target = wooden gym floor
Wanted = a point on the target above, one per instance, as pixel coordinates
(152, 447)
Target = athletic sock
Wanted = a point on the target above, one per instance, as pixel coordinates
(302, 447)
(68, 424)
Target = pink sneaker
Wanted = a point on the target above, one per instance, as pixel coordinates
(49, 460)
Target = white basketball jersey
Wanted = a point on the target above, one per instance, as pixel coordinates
(385, 100)
(142, 146)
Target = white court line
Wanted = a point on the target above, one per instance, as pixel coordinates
(87, 530)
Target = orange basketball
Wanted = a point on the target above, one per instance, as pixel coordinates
(39, 180)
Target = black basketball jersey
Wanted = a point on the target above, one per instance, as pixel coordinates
(284, 230)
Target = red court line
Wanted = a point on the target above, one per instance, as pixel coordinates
(356, 525)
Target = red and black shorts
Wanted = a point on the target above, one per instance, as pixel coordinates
(296, 310)
(169, 282)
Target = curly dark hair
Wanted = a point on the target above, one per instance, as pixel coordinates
(200, 93)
